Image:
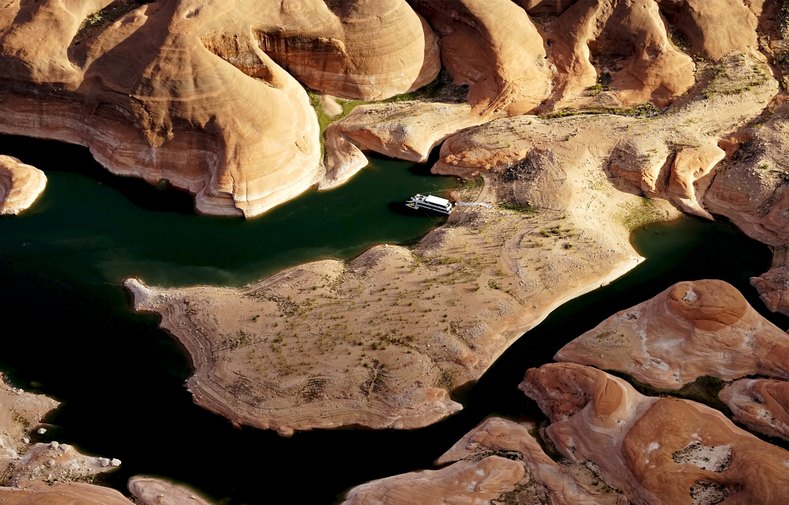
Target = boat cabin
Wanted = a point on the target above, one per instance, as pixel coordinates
(429, 202)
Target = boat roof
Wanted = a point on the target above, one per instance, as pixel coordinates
(436, 200)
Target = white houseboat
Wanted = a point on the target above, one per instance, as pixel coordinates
(429, 202)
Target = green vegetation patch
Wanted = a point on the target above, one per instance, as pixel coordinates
(109, 14)
(643, 110)
(704, 390)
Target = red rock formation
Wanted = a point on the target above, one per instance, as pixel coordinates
(750, 188)
(63, 494)
(689, 330)
(622, 45)
(656, 450)
(20, 185)
(182, 91)
(713, 28)
(403, 130)
(492, 46)
(149, 98)
(151, 491)
(497, 462)
(760, 404)
(366, 49)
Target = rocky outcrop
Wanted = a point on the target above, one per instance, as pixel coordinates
(663, 156)
(361, 49)
(184, 92)
(750, 188)
(493, 47)
(20, 185)
(619, 54)
(63, 494)
(713, 29)
(773, 285)
(403, 130)
(176, 91)
(497, 462)
(691, 329)
(152, 491)
(656, 450)
(760, 404)
(55, 462)
(19, 413)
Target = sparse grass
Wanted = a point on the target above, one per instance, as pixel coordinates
(644, 110)
(519, 207)
(105, 16)
(704, 390)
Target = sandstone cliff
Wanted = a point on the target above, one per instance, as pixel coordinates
(656, 450)
(353, 49)
(493, 47)
(760, 404)
(63, 494)
(20, 185)
(19, 412)
(152, 491)
(691, 329)
(497, 462)
(750, 188)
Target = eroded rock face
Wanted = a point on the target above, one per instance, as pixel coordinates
(497, 461)
(152, 491)
(751, 189)
(20, 185)
(773, 285)
(494, 47)
(403, 130)
(63, 494)
(713, 28)
(691, 329)
(760, 404)
(656, 450)
(662, 156)
(622, 45)
(19, 412)
(184, 91)
(155, 93)
(364, 49)
(54, 462)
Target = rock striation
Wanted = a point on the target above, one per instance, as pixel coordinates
(692, 329)
(494, 48)
(360, 49)
(185, 92)
(151, 91)
(750, 188)
(402, 130)
(760, 404)
(656, 450)
(499, 461)
(20, 185)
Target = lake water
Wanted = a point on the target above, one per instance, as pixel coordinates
(120, 380)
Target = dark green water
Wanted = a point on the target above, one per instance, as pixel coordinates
(121, 379)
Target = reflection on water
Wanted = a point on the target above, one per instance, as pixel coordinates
(121, 379)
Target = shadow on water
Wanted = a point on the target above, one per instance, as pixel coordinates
(121, 380)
